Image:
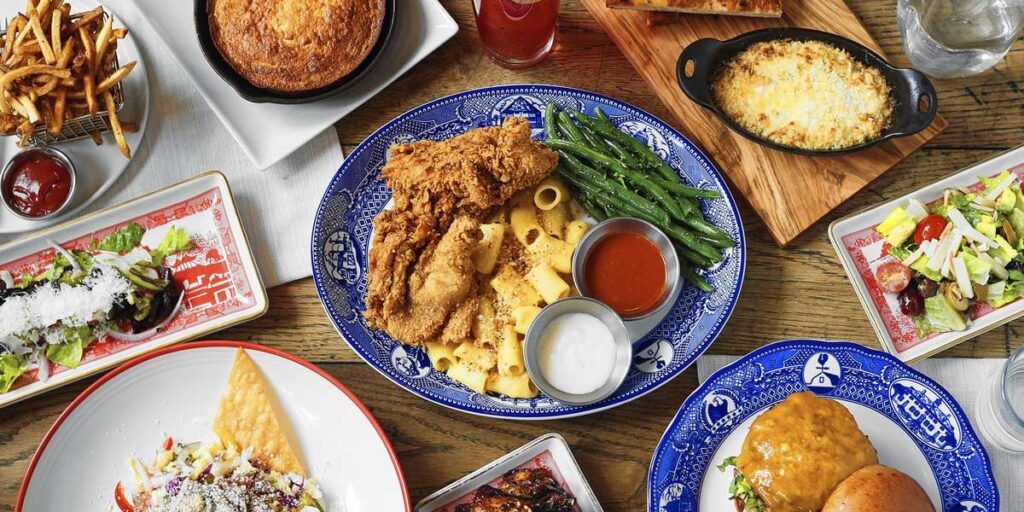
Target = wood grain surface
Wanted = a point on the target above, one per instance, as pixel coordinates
(796, 292)
(790, 192)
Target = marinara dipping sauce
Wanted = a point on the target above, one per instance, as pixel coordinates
(627, 272)
(37, 184)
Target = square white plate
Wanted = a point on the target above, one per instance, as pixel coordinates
(860, 250)
(549, 450)
(269, 132)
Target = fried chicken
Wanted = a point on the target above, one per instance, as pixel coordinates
(422, 285)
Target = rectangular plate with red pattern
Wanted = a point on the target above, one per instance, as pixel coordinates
(550, 451)
(860, 250)
(218, 274)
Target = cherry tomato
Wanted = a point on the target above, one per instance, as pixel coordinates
(168, 443)
(929, 228)
(885, 248)
(892, 276)
(121, 500)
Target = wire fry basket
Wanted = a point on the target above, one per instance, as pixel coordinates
(84, 125)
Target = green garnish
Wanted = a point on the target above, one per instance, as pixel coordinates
(741, 489)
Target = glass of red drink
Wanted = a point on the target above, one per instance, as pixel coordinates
(516, 33)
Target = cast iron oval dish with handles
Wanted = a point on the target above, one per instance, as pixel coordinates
(910, 89)
(250, 92)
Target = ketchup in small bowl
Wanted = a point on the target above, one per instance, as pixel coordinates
(37, 183)
(626, 271)
(628, 264)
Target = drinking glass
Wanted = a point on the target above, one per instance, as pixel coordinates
(516, 33)
(954, 38)
(1000, 409)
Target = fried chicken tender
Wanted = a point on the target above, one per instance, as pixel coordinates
(422, 284)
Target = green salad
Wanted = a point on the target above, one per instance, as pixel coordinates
(117, 289)
(950, 259)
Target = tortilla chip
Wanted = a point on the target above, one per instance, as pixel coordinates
(247, 418)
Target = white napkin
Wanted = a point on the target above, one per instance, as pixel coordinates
(962, 378)
(184, 138)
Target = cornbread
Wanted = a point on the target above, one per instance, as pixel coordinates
(760, 8)
(804, 94)
(293, 46)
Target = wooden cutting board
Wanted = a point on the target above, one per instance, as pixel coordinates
(789, 192)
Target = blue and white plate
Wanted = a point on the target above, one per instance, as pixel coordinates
(342, 232)
(914, 424)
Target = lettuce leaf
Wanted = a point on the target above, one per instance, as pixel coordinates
(69, 353)
(122, 240)
(977, 268)
(741, 489)
(993, 182)
(1002, 293)
(176, 240)
(939, 316)
(10, 369)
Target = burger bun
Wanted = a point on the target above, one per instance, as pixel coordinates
(878, 488)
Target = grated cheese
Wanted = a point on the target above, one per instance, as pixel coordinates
(805, 94)
(69, 305)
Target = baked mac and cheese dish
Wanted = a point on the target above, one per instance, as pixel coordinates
(804, 94)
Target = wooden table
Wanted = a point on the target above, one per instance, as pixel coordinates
(798, 292)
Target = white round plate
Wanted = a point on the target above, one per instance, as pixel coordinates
(176, 392)
(97, 167)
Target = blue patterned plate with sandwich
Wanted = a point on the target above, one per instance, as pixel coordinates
(913, 424)
(344, 221)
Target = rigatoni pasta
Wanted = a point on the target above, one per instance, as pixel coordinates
(520, 274)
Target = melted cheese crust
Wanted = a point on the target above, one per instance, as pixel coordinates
(804, 94)
(798, 451)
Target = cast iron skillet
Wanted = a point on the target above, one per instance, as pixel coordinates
(914, 100)
(259, 95)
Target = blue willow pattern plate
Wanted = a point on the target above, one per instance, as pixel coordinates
(342, 232)
(916, 406)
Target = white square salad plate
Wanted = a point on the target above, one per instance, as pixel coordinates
(859, 248)
(269, 132)
(548, 450)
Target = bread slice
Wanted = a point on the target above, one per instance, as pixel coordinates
(760, 8)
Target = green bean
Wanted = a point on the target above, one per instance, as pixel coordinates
(674, 208)
(569, 128)
(595, 141)
(702, 253)
(711, 231)
(616, 188)
(550, 126)
(693, 257)
(601, 124)
(621, 153)
(692, 276)
(590, 205)
(608, 199)
(676, 187)
(611, 193)
(691, 241)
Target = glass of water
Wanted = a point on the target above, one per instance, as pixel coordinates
(954, 38)
(1000, 409)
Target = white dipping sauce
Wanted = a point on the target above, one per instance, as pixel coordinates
(576, 353)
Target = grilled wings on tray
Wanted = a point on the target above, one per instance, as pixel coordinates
(522, 490)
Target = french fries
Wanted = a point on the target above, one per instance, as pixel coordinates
(56, 66)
